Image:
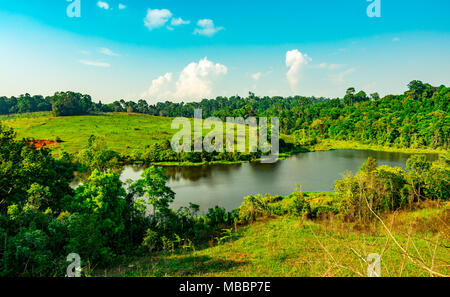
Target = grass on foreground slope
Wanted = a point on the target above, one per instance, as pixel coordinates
(291, 246)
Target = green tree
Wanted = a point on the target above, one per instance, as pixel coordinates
(71, 104)
(154, 185)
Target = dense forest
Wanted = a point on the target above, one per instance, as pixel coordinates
(418, 118)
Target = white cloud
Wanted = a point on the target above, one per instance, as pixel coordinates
(122, 6)
(161, 87)
(195, 81)
(395, 39)
(157, 18)
(108, 52)
(179, 21)
(207, 28)
(256, 76)
(339, 78)
(103, 5)
(295, 60)
(95, 64)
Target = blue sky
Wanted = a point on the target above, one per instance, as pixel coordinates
(187, 50)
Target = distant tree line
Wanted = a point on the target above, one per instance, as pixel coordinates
(418, 118)
(72, 104)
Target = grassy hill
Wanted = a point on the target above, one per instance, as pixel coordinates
(122, 132)
(292, 246)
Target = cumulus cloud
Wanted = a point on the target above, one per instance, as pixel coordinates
(207, 28)
(195, 81)
(95, 64)
(161, 87)
(108, 52)
(179, 21)
(295, 60)
(157, 18)
(122, 6)
(103, 5)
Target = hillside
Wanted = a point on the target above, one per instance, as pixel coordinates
(122, 132)
(292, 246)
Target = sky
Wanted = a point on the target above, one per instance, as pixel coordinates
(189, 50)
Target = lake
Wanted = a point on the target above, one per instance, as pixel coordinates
(227, 185)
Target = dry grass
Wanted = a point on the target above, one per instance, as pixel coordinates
(410, 243)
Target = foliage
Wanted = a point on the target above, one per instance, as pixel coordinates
(71, 104)
(382, 189)
(97, 156)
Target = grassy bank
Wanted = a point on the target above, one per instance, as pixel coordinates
(292, 246)
(331, 144)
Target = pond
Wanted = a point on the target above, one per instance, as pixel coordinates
(227, 185)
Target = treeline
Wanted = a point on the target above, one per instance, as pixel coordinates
(418, 118)
(97, 155)
(72, 103)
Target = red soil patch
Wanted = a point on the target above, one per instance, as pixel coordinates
(44, 143)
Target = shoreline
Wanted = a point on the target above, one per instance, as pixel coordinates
(325, 145)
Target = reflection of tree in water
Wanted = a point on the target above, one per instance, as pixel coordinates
(379, 155)
(195, 173)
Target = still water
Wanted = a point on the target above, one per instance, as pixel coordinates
(227, 185)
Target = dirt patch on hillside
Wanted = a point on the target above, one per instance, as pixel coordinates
(44, 143)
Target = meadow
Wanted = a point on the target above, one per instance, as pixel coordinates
(121, 132)
(291, 246)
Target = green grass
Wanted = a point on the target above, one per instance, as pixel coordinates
(123, 133)
(331, 144)
(291, 246)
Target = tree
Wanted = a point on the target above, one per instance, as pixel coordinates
(417, 87)
(349, 96)
(154, 185)
(71, 104)
(375, 97)
(418, 165)
(24, 168)
(97, 156)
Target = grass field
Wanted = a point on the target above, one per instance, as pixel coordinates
(291, 246)
(122, 132)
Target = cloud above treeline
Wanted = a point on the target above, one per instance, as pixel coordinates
(195, 81)
(295, 61)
